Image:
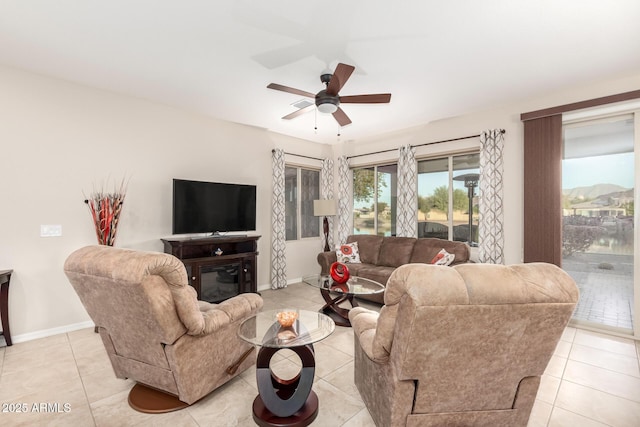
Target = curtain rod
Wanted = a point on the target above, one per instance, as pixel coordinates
(300, 155)
(421, 145)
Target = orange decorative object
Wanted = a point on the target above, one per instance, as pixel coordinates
(286, 318)
(339, 272)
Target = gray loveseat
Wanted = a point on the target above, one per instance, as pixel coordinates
(380, 256)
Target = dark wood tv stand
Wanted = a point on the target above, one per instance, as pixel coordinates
(218, 267)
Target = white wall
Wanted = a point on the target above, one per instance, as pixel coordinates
(60, 140)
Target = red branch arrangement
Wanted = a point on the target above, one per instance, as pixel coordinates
(105, 209)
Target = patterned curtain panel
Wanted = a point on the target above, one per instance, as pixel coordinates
(407, 209)
(326, 192)
(345, 187)
(491, 228)
(278, 239)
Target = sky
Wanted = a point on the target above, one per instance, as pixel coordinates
(611, 169)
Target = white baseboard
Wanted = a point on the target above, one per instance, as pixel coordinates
(267, 286)
(50, 332)
(264, 287)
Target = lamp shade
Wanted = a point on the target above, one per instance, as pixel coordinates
(324, 207)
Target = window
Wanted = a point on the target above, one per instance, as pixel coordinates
(374, 200)
(448, 197)
(302, 187)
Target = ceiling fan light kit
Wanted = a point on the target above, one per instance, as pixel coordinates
(326, 103)
(328, 100)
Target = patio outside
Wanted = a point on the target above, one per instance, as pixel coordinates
(598, 254)
(606, 295)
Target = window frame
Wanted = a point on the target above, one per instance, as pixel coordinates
(393, 195)
(450, 184)
(298, 200)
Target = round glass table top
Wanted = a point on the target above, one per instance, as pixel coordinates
(355, 285)
(264, 330)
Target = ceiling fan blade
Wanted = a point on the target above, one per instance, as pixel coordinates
(288, 89)
(339, 78)
(299, 112)
(341, 117)
(374, 98)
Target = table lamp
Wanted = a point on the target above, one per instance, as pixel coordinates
(325, 208)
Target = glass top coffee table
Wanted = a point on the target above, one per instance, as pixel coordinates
(285, 402)
(345, 292)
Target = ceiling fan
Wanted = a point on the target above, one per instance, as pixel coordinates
(328, 100)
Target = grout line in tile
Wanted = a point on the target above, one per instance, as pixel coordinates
(599, 391)
(84, 388)
(575, 413)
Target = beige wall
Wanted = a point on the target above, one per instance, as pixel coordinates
(59, 140)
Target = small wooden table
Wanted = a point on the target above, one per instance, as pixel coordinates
(353, 287)
(5, 278)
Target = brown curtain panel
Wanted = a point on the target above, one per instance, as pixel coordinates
(543, 190)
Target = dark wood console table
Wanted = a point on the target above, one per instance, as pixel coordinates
(218, 267)
(5, 277)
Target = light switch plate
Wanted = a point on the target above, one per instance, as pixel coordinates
(50, 230)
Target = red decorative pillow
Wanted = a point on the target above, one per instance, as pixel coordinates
(443, 258)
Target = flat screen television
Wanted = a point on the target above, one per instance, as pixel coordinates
(213, 207)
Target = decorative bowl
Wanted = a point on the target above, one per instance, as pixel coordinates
(286, 318)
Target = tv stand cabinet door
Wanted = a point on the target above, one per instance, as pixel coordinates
(193, 275)
(249, 277)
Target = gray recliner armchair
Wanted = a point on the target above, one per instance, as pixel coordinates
(460, 346)
(155, 331)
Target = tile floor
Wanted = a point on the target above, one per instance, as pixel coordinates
(592, 380)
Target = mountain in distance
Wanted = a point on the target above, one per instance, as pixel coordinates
(593, 191)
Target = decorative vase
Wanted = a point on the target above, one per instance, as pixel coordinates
(105, 209)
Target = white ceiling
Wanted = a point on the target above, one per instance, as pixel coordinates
(437, 58)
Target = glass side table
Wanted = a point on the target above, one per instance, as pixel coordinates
(353, 287)
(285, 402)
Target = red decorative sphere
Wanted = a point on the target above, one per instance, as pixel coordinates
(339, 272)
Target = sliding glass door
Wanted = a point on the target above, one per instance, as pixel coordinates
(598, 182)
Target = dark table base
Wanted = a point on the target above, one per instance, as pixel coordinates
(339, 314)
(305, 416)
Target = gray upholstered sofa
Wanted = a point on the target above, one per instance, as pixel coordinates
(380, 256)
(461, 346)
